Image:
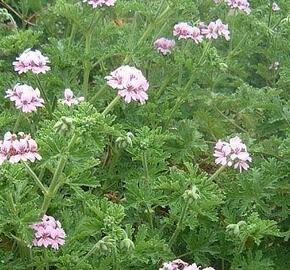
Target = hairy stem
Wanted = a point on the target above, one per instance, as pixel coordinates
(35, 178)
(180, 222)
(111, 105)
(180, 99)
(54, 185)
(220, 169)
(43, 93)
(17, 123)
(87, 65)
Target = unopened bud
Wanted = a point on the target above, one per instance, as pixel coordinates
(192, 194)
(124, 142)
(105, 245)
(127, 244)
(64, 125)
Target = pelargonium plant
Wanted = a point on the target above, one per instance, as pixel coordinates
(144, 135)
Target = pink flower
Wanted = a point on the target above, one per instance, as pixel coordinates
(233, 153)
(100, 3)
(222, 29)
(69, 98)
(48, 232)
(25, 97)
(181, 265)
(185, 31)
(196, 35)
(130, 83)
(242, 5)
(15, 150)
(164, 45)
(31, 61)
(174, 265)
(182, 30)
(210, 31)
(216, 29)
(275, 7)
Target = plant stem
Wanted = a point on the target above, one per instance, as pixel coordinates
(180, 222)
(99, 93)
(220, 169)
(35, 178)
(16, 125)
(72, 34)
(115, 260)
(87, 64)
(179, 100)
(46, 260)
(145, 165)
(42, 91)
(54, 185)
(270, 16)
(111, 105)
(87, 61)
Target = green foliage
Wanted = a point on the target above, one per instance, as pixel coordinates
(136, 187)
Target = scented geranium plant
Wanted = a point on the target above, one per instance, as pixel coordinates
(144, 135)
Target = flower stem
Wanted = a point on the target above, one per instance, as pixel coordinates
(87, 65)
(46, 260)
(42, 91)
(111, 105)
(16, 125)
(180, 222)
(54, 185)
(99, 93)
(179, 100)
(220, 169)
(35, 178)
(145, 165)
(115, 260)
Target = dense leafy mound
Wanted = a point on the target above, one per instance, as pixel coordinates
(130, 172)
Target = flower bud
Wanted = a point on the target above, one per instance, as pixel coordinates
(105, 245)
(235, 228)
(64, 125)
(124, 142)
(127, 244)
(223, 67)
(192, 194)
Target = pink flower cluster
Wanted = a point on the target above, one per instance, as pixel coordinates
(232, 153)
(130, 83)
(31, 61)
(211, 31)
(100, 3)
(181, 265)
(242, 5)
(164, 45)
(185, 31)
(25, 97)
(48, 232)
(215, 29)
(14, 150)
(69, 98)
